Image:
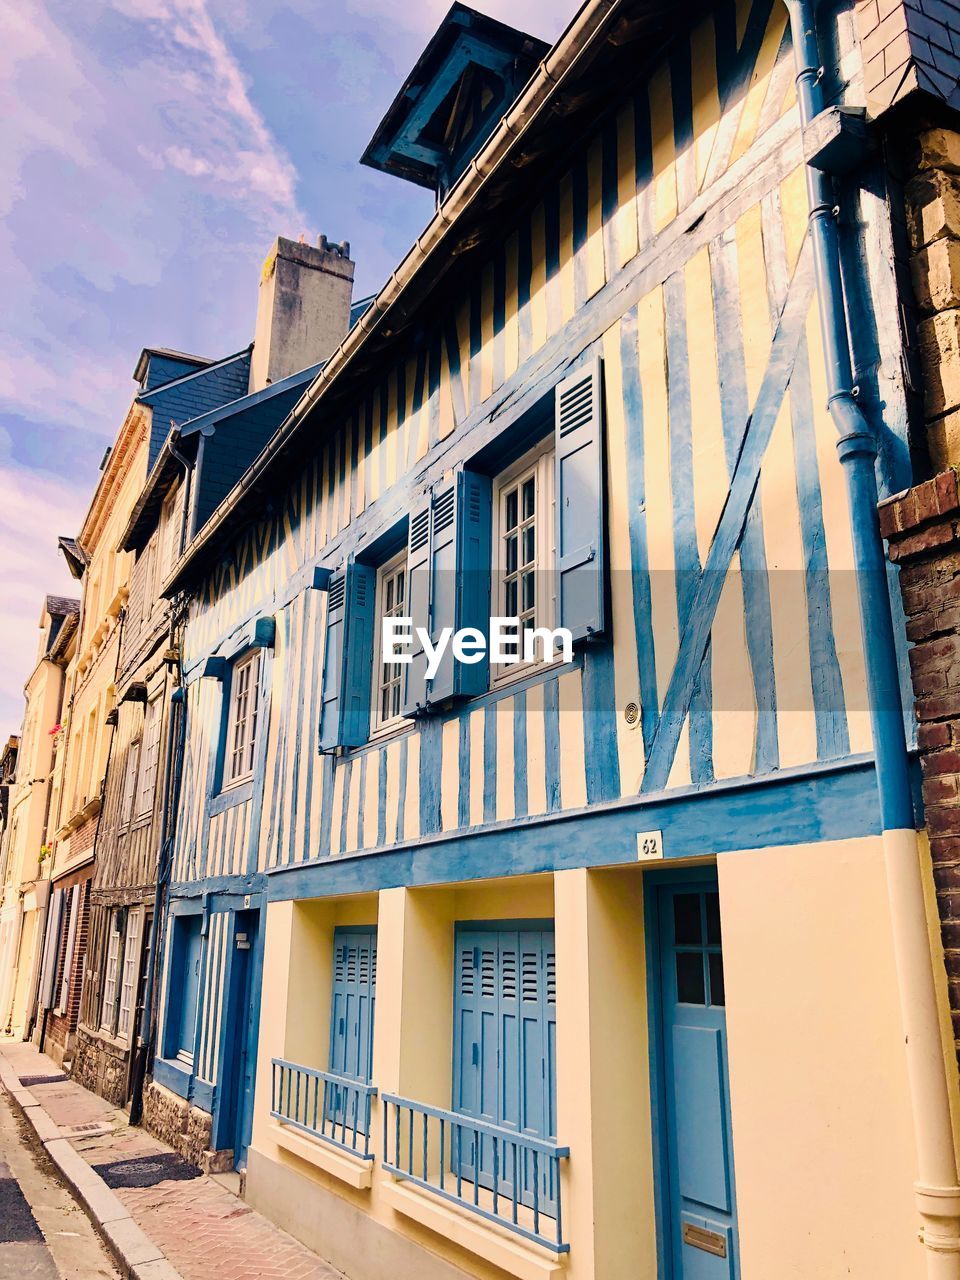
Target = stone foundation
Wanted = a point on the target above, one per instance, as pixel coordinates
(185, 1128)
(101, 1066)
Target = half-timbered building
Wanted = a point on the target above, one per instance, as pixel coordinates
(614, 966)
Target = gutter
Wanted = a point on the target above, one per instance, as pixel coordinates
(497, 152)
(936, 1189)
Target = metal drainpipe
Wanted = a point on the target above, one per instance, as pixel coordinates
(937, 1193)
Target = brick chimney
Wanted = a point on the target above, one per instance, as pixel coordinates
(303, 311)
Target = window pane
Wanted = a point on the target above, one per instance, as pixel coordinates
(529, 592)
(529, 544)
(511, 509)
(529, 491)
(510, 558)
(690, 982)
(713, 918)
(510, 600)
(686, 919)
(718, 993)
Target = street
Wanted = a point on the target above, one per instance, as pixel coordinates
(44, 1234)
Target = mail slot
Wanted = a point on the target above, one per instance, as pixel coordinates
(709, 1241)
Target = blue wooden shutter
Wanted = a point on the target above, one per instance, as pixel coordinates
(418, 606)
(475, 1044)
(581, 594)
(358, 653)
(333, 648)
(504, 1068)
(352, 1004)
(448, 576)
(347, 658)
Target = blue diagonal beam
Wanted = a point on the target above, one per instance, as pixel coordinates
(730, 526)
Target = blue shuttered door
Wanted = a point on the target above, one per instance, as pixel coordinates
(351, 1012)
(505, 1052)
(699, 1157)
(448, 577)
(581, 573)
(347, 657)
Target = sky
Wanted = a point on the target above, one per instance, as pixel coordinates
(150, 152)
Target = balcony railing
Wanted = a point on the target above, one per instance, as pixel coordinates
(326, 1106)
(507, 1177)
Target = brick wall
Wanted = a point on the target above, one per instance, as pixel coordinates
(909, 46)
(922, 527)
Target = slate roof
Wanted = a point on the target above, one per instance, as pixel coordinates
(61, 606)
(194, 394)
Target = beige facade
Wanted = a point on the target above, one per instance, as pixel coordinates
(27, 864)
(81, 765)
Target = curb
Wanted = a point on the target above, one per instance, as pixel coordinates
(138, 1256)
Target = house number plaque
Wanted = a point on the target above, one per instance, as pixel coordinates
(709, 1241)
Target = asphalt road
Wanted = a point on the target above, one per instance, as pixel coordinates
(44, 1234)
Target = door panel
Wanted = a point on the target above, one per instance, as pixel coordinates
(504, 1051)
(695, 1093)
(351, 1019)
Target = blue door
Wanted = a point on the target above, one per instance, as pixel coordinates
(351, 1021)
(240, 1069)
(699, 1204)
(504, 1053)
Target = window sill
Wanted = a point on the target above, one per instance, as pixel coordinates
(354, 1172)
(527, 1262)
(230, 796)
(173, 1076)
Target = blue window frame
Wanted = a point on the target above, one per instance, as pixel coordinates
(504, 1047)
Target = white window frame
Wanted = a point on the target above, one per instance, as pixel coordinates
(111, 971)
(169, 533)
(149, 579)
(538, 465)
(129, 973)
(131, 771)
(386, 574)
(149, 759)
(240, 745)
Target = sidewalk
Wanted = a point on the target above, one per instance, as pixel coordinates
(162, 1218)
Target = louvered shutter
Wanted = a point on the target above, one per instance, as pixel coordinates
(347, 658)
(581, 591)
(351, 1018)
(504, 1067)
(333, 649)
(448, 576)
(358, 653)
(475, 1044)
(418, 607)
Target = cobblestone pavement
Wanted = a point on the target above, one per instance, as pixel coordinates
(44, 1234)
(203, 1229)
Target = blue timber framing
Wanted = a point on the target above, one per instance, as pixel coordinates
(823, 802)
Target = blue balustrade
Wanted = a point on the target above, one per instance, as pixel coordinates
(519, 1182)
(332, 1108)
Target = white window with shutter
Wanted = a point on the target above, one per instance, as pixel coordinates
(242, 722)
(149, 756)
(524, 554)
(130, 782)
(128, 978)
(109, 1003)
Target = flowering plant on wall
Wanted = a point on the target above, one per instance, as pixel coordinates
(56, 731)
(45, 852)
